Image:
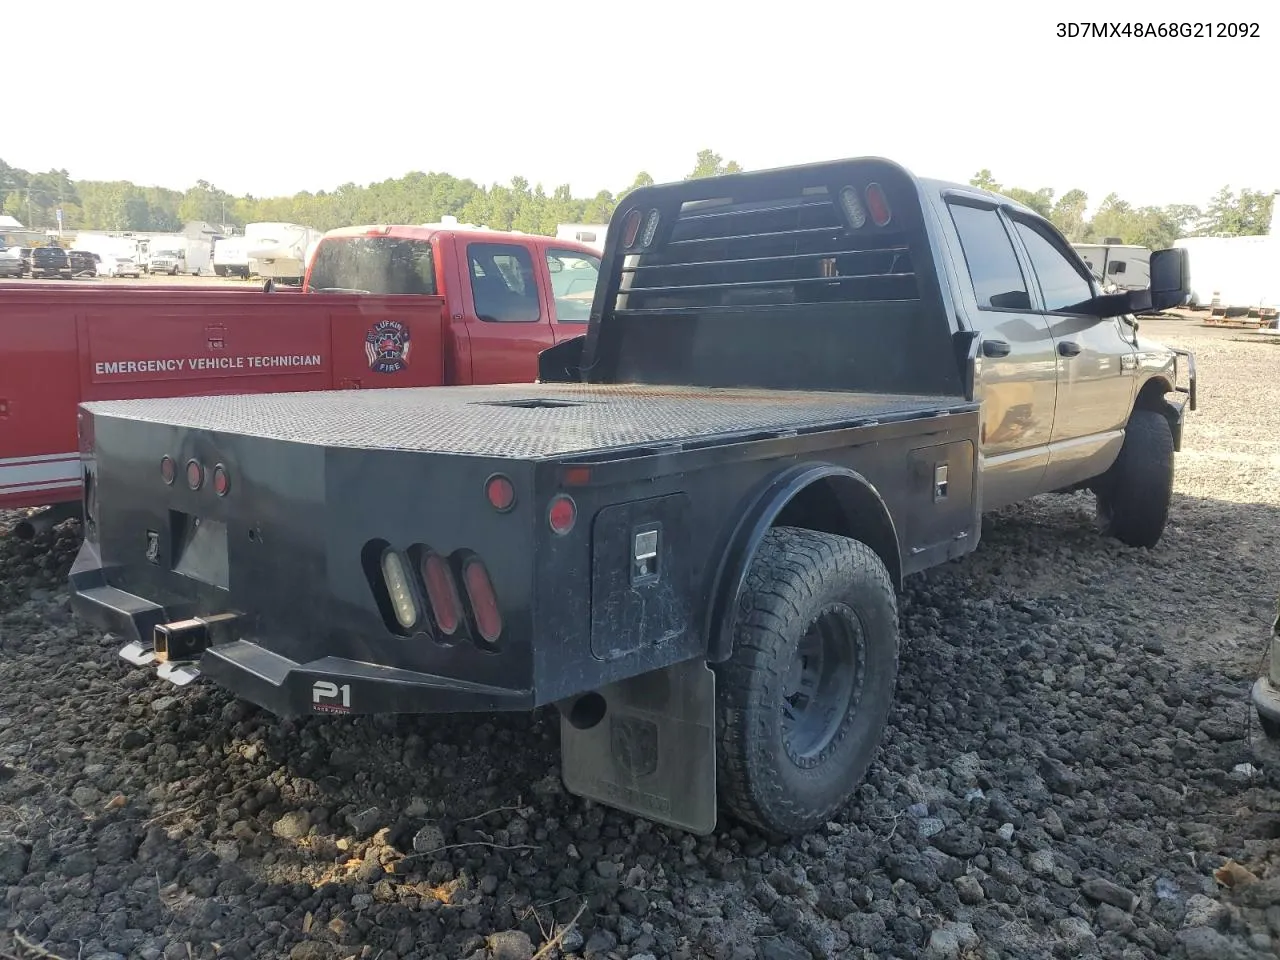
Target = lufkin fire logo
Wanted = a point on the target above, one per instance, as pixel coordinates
(387, 346)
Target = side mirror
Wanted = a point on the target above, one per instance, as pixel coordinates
(268, 285)
(1170, 278)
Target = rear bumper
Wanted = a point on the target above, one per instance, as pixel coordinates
(285, 687)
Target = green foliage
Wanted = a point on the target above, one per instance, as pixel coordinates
(711, 164)
(1246, 214)
(421, 197)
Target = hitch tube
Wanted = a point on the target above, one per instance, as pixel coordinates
(183, 641)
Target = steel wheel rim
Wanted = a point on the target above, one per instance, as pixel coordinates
(823, 683)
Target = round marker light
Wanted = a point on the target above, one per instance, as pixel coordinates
(398, 587)
(630, 227)
(221, 482)
(501, 493)
(878, 204)
(853, 208)
(195, 474)
(650, 229)
(168, 470)
(562, 514)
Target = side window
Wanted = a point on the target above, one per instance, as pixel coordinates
(1116, 266)
(573, 284)
(988, 252)
(502, 283)
(1062, 285)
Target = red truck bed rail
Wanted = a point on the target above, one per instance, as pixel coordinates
(61, 344)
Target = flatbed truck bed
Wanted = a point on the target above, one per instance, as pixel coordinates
(531, 421)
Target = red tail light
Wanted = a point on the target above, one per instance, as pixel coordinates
(630, 227)
(562, 514)
(442, 593)
(501, 493)
(221, 482)
(484, 604)
(878, 205)
(168, 469)
(195, 474)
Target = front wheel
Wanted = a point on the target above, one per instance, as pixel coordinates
(804, 699)
(1134, 495)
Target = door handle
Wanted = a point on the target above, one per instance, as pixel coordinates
(1067, 348)
(995, 348)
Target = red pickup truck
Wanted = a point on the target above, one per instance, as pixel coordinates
(432, 306)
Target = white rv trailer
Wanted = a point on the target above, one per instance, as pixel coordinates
(278, 251)
(231, 257)
(591, 234)
(1124, 266)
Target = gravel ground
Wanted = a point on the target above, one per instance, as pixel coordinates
(1063, 774)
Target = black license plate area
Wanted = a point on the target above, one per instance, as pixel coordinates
(199, 549)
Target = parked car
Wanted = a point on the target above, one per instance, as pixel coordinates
(11, 263)
(127, 267)
(24, 254)
(50, 262)
(83, 263)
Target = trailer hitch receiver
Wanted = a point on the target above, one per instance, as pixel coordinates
(184, 641)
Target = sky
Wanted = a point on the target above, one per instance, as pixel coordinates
(272, 99)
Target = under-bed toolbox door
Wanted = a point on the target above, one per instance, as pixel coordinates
(640, 581)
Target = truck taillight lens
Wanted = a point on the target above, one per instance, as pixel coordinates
(562, 514)
(195, 474)
(501, 493)
(878, 204)
(397, 580)
(168, 469)
(441, 593)
(630, 228)
(484, 603)
(650, 229)
(852, 207)
(221, 482)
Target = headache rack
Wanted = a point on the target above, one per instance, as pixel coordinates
(819, 277)
(775, 252)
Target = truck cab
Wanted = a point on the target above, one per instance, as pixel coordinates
(513, 294)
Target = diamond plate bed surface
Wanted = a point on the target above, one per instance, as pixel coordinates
(479, 421)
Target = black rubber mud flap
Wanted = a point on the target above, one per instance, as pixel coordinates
(647, 746)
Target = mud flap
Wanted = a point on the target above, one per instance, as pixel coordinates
(647, 745)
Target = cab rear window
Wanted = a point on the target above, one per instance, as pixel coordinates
(374, 265)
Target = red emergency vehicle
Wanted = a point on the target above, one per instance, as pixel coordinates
(431, 306)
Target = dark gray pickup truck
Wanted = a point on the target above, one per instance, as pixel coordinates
(797, 387)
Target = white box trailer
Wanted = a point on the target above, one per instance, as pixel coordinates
(1234, 275)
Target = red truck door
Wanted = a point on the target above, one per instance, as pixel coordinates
(506, 310)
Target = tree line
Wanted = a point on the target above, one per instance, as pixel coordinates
(1247, 213)
(35, 198)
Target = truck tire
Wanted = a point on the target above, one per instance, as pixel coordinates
(1134, 495)
(818, 612)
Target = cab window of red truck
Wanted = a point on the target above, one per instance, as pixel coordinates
(573, 284)
(375, 265)
(503, 284)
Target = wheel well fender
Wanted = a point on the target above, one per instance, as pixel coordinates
(814, 496)
(1152, 396)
